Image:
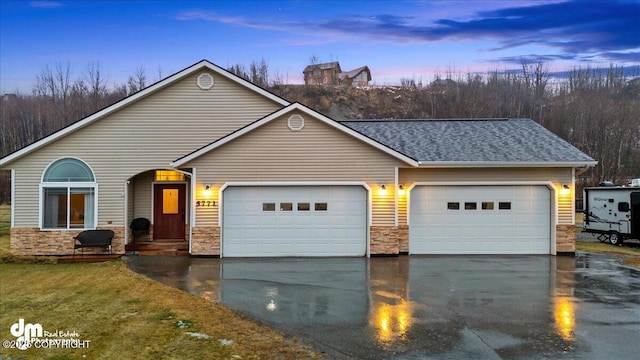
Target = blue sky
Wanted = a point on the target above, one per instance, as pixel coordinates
(396, 39)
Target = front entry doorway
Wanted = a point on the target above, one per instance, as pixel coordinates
(169, 211)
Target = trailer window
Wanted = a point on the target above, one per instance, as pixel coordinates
(623, 207)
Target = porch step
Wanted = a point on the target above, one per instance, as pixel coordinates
(166, 252)
(87, 258)
(159, 248)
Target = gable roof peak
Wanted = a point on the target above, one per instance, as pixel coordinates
(151, 89)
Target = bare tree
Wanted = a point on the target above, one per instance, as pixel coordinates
(137, 81)
(259, 73)
(97, 86)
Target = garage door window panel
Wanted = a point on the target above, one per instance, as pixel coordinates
(304, 207)
(453, 206)
(286, 206)
(268, 206)
(321, 207)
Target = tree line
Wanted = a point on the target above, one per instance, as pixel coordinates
(594, 109)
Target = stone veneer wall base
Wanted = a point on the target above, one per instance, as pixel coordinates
(565, 239)
(384, 240)
(33, 241)
(205, 241)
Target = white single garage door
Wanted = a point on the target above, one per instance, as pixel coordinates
(294, 221)
(479, 220)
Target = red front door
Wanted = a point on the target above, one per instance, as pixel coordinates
(169, 211)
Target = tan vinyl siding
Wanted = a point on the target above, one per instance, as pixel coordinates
(557, 176)
(317, 153)
(145, 135)
(402, 207)
(206, 214)
(143, 193)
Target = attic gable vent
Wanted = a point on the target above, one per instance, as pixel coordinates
(205, 81)
(295, 122)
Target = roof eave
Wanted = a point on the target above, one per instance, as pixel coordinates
(503, 164)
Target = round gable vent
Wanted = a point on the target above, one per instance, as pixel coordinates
(295, 122)
(205, 81)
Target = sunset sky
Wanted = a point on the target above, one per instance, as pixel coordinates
(396, 39)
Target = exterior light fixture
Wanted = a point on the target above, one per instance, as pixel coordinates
(566, 190)
(401, 190)
(207, 190)
(383, 190)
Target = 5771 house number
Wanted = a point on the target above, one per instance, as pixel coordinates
(205, 203)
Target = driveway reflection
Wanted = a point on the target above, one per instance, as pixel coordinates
(416, 307)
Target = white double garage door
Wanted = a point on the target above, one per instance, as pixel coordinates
(270, 221)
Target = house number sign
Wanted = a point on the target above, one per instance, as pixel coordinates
(205, 203)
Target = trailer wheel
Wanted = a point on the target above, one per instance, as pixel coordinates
(615, 239)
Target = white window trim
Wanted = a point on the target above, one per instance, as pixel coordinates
(68, 186)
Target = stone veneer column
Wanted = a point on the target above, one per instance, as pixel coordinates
(384, 240)
(33, 241)
(565, 239)
(205, 240)
(403, 238)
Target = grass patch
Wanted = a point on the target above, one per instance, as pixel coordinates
(125, 315)
(629, 256)
(5, 219)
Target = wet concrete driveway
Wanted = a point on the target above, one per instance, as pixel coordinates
(428, 307)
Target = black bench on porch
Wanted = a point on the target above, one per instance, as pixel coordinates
(140, 227)
(93, 238)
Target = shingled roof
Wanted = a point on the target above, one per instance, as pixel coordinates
(453, 141)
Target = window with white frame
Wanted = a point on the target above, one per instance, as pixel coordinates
(68, 196)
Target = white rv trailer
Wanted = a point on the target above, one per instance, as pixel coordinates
(612, 212)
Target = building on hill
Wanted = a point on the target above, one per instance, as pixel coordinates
(331, 74)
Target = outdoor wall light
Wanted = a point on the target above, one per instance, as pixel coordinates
(383, 190)
(401, 190)
(566, 190)
(207, 190)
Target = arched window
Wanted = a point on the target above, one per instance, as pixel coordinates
(68, 170)
(69, 194)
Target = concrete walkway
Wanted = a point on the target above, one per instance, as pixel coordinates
(428, 307)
